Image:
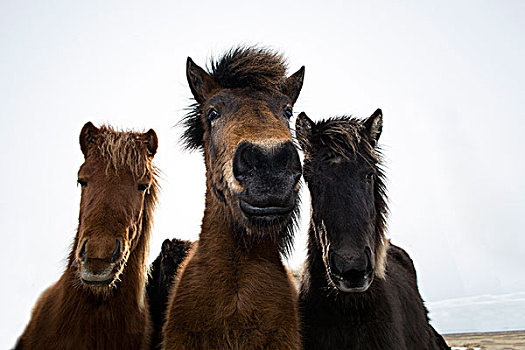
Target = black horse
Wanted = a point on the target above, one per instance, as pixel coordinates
(162, 272)
(357, 290)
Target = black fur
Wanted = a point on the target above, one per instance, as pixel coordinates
(390, 314)
(162, 273)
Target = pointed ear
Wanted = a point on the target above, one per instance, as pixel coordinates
(303, 131)
(374, 126)
(293, 84)
(166, 247)
(151, 141)
(201, 83)
(87, 136)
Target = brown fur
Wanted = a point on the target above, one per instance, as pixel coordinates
(72, 314)
(233, 291)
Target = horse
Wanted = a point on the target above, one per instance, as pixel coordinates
(99, 302)
(162, 271)
(233, 291)
(357, 291)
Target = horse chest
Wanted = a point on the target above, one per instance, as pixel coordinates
(82, 322)
(351, 336)
(326, 327)
(240, 309)
(253, 298)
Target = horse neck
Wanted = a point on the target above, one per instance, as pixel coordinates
(218, 240)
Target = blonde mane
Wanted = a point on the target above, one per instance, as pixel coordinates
(125, 149)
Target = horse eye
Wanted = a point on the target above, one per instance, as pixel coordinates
(143, 187)
(212, 114)
(369, 176)
(82, 183)
(287, 113)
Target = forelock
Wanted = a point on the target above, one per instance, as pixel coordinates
(250, 67)
(344, 136)
(124, 149)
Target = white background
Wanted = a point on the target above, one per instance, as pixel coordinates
(448, 75)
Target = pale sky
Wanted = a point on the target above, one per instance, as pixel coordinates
(449, 77)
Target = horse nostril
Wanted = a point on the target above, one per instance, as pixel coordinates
(82, 253)
(293, 163)
(242, 160)
(116, 252)
(337, 264)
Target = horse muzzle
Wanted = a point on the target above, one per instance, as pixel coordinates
(99, 271)
(269, 176)
(351, 275)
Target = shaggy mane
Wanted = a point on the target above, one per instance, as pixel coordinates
(256, 68)
(340, 134)
(259, 69)
(125, 149)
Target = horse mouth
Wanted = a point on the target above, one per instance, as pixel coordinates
(265, 212)
(97, 282)
(101, 279)
(351, 286)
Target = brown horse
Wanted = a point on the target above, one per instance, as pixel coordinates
(233, 291)
(99, 302)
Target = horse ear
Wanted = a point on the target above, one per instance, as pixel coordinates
(87, 136)
(303, 130)
(201, 83)
(293, 84)
(374, 126)
(166, 247)
(152, 142)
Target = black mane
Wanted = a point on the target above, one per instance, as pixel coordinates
(255, 68)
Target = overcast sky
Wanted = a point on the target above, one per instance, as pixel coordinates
(449, 76)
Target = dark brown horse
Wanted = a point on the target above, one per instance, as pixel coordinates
(99, 302)
(162, 273)
(233, 291)
(357, 291)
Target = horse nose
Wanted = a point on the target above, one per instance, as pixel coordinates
(106, 250)
(352, 270)
(99, 257)
(282, 159)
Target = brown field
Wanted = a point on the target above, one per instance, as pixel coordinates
(511, 340)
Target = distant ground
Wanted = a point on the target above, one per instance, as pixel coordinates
(481, 313)
(510, 340)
